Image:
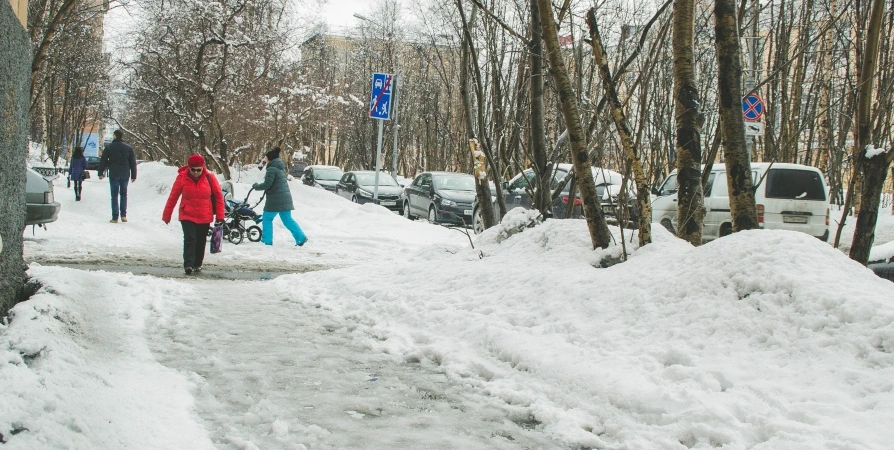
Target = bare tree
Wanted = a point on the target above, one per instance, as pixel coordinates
(599, 234)
(690, 195)
(732, 123)
(873, 164)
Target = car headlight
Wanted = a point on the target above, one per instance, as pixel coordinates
(365, 193)
(445, 202)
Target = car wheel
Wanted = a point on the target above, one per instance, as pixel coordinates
(407, 211)
(726, 230)
(432, 215)
(477, 222)
(667, 224)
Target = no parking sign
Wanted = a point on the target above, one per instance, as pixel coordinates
(753, 107)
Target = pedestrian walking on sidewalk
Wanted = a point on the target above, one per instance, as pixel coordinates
(201, 201)
(119, 159)
(279, 200)
(76, 170)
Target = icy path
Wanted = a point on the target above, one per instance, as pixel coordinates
(274, 374)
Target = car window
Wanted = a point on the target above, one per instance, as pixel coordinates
(455, 182)
(710, 185)
(417, 181)
(669, 187)
(425, 180)
(522, 182)
(369, 179)
(795, 184)
(346, 178)
(327, 174)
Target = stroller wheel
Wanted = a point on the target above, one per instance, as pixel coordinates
(234, 235)
(254, 233)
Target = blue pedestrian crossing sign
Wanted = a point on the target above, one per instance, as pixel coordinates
(753, 107)
(380, 96)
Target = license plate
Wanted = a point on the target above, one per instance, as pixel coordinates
(467, 212)
(794, 219)
(388, 203)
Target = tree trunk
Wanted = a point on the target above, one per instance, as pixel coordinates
(824, 138)
(690, 195)
(542, 199)
(732, 123)
(15, 54)
(599, 234)
(482, 189)
(643, 197)
(874, 168)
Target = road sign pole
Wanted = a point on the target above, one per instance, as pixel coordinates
(378, 162)
(394, 124)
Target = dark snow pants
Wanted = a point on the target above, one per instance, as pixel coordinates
(195, 237)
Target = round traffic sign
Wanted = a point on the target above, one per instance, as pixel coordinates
(753, 107)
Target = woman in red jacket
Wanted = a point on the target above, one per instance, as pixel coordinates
(200, 202)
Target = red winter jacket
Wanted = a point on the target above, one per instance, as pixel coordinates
(195, 204)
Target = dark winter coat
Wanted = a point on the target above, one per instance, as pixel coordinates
(195, 198)
(76, 168)
(279, 197)
(118, 157)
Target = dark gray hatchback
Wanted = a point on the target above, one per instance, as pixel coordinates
(441, 197)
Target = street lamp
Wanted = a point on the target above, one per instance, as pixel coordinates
(394, 89)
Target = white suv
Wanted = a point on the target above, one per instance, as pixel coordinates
(788, 197)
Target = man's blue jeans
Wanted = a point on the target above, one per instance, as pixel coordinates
(119, 191)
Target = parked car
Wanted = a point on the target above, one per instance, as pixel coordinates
(358, 186)
(884, 268)
(441, 197)
(93, 162)
(608, 187)
(788, 197)
(297, 168)
(40, 204)
(325, 177)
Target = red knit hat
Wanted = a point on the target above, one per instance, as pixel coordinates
(195, 161)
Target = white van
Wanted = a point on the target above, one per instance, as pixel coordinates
(788, 197)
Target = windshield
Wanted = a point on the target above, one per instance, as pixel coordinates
(455, 182)
(369, 179)
(329, 174)
(795, 184)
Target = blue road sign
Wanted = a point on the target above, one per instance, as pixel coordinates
(753, 107)
(380, 96)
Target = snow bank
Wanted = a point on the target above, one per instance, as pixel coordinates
(77, 373)
(764, 340)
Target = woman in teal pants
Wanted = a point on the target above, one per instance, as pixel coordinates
(279, 200)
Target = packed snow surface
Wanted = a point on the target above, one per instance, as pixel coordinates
(414, 339)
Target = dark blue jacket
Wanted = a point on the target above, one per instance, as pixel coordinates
(119, 159)
(77, 167)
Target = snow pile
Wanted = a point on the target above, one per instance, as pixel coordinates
(77, 373)
(765, 339)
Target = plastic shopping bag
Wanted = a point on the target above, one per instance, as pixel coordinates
(216, 238)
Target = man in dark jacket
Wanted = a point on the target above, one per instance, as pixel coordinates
(119, 159)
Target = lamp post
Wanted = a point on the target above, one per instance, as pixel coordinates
(394, 88)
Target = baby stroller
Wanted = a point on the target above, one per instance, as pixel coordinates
(237, 213)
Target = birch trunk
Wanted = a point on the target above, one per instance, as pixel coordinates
(599, 234)
(643, 198)
(690, 195)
